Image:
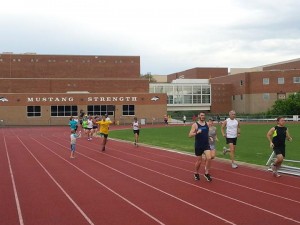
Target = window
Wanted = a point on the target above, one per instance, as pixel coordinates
(266, 81)
(64, 110)
(266, 96)
(241, 97)
(100, 110)
(281, 96)
(170, 99)
(205, 98)
(128, 110)
(296, 80)
(33, 111)
(241, 83)
(280, 80)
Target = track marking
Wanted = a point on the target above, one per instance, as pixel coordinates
(59, 186)
(225, 196)
(21, 221)
(103, 185)
(142, 182)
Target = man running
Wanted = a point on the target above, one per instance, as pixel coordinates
(231, 135)
(277, 136)
(199, 130)
(103, 130)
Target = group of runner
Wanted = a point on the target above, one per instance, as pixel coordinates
(205, 134)
(94, 126)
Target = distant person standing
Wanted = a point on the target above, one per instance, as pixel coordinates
(166, 120)
(184, 119)
(231, 134)
(200, 130)
(136, 130)
(277, 136)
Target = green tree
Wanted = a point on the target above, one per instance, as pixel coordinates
(149, 77)
(289, 106)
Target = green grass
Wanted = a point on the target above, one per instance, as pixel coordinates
(252, 146)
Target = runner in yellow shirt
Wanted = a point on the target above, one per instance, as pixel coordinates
(103, 126)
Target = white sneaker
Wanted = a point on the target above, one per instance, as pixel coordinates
(224, 150)
(234, 166)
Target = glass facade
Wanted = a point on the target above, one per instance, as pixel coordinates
(184, 94)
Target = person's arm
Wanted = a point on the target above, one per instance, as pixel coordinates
(194, 130)
(223, 128)
(288, 136)
(269, 136)
(238, 129)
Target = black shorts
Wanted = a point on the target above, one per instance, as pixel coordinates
(104, 135)
(279, 150)
(199, 150)
(231, 140)
(136, 132)
(88, 128)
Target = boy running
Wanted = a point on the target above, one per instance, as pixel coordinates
(73, 138)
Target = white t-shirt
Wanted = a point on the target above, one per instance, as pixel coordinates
(90, 124)
(135, 125)
(231, 128)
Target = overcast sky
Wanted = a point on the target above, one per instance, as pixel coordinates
(168, 35)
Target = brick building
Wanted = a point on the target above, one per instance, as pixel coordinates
(256, 91)
(48, 89)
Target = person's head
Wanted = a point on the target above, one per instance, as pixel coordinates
(232, 114)
(202, 116)
(280, 121)
(72, 131)
(210, 122)
(106, 115)
(71, 118)
(135, 118)
(103, 117)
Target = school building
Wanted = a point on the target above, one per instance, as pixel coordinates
(216, 90)
(48, 89)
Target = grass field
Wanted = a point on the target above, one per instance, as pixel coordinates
(252, 146)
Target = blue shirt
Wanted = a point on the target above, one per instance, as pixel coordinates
(73, 124)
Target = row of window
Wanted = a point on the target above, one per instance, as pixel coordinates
(280, 80)
(72, 110)
(265, 96)
(67, 60)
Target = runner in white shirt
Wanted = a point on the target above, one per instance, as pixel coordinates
(231, 135)
(90, 128)
(136, 131)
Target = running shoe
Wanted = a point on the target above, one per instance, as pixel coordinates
(197, 176)
(234, 166)
(275, 174)
(207, 176)
(224, 150)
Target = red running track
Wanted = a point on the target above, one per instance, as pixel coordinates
(41, 185)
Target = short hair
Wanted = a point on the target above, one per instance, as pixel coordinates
(279, 118)
(231, 111)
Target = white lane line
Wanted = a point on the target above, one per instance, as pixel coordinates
(144, 183)
(227, 171)
(229, 182)
(225, 196)
(103, 185)
(59, 186)
(14, 186)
